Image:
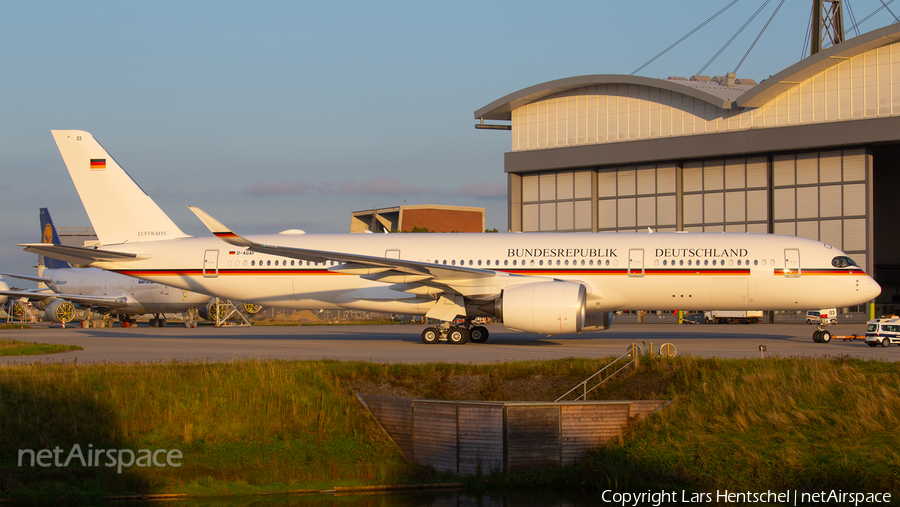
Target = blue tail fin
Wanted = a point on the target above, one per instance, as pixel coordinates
(48, 235)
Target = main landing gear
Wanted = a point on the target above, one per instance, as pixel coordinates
(457, 335)
(158, 321)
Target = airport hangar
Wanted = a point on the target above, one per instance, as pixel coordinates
(812, 151)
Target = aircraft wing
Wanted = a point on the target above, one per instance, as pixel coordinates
(101, 301)
(404, 275)
(78, 254)
(356, 263)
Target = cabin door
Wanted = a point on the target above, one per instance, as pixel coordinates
(636, 262)
(791, 262)
(211, 264)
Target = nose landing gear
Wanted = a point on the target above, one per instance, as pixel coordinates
(822, 335)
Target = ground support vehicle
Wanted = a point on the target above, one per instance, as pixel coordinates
(884, 331)
(733, 316)
(817, 316)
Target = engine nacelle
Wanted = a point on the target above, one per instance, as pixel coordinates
(3, 286)
(543, 307)
(598, 321)
(59, 311)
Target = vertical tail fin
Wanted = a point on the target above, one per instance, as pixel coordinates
(118, 208)
(48, 235)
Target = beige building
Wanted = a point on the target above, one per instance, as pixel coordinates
(811, 151)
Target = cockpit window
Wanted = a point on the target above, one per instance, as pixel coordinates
(843, 262)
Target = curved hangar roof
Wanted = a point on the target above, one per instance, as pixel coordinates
(725, 97)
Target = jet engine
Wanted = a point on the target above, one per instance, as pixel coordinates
(544, 307)
(212, 310)
(3, 286)
(59, 311)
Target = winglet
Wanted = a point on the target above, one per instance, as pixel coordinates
(219, 229)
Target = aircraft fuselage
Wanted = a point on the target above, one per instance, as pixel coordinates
(144, 296)
(621, 271)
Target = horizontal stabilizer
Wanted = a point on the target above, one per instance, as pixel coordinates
(79, 255)
(42, 279)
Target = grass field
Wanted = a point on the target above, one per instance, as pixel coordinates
(10, 347)
(274, 426)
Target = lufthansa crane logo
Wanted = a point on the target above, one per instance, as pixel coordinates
(47, 237)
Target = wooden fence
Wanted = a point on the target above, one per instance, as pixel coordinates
(467, 436)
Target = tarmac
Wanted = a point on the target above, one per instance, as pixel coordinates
(402, 343)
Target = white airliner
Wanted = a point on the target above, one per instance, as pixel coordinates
(102, 291)
(553, 283)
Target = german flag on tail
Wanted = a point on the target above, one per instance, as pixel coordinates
(98, 163)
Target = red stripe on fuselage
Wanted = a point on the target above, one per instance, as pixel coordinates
(821, 272)
(531, 272)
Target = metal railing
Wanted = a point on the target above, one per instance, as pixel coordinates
(632, 354)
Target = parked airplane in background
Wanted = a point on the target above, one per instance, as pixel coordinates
(541, 283)
(3, 287)
(102, 291)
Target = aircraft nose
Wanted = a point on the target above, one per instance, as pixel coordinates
(870, 288)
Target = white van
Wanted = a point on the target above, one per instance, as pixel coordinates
(883, 331)
(815, 316)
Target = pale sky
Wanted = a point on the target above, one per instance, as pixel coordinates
(278, 115)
